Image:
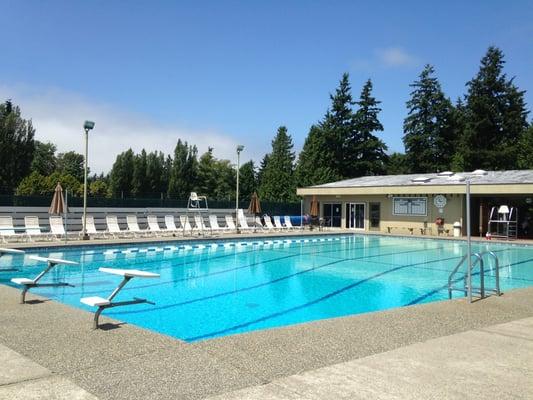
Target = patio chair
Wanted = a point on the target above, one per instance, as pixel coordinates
(229, 223)
(170, 224)
(185, 224)
(7, 229)
(241, 218)
(200, 225)
(213, 223)
(288, 223)
(133, 226)
(31, 283)
(103, 303)
(90, 227)
(278, 224)
(259, 224)
(114, 228)
(57, 228)
(268, 223)
(153, 225)
(33, 229)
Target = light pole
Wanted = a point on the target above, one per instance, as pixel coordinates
(87, 126)
(240, 148)
(468, 242)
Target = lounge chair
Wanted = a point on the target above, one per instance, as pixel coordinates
(268, 223)
(170, 224)
(7, 229)
(289, 224)
(213, 223)
(229, 223)
(113, 227)
(200, 225)
(133, 226)
(259, 224)
(185, 224)
(241, 218)
(153, 225)
(278, 224)
(31, 283)
(33, 229)
(57, 228)
(90, 227)
(103, 303)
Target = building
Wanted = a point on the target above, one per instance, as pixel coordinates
(427, 203)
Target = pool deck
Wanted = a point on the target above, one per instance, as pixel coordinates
(448, 349)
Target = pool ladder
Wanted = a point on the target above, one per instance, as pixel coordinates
(480, 291)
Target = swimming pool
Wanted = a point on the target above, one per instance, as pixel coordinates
(212, 289)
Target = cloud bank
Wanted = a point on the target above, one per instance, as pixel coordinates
(396, 57)
(58, 117)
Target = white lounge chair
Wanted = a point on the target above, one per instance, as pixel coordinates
(213, 223)
(153, 225)
(33, 229)
(200, 225)
(103, 303)
(133, 226)
(170, 224)
(241, 218)
(7, 229)
(90, 227)
(31, 283)
(268, 223)
(57, 228)
(229, 223)
(289, 224)
(185, 224)
(259, 224)
(278, 224)
(114, 228)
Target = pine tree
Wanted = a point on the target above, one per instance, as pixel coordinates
(525, 153)
(207, 174)
(364, 153)
(44, 158)
(139, 179)
(428, 129)
(71, 163)
(262, 169)
(247, 180)
(397, 164)
(277, 181)
(16, 146)
(495, 117)
(121, 175)
(184, 171)
(155, 173)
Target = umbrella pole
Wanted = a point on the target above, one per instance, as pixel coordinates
(301, 213)
(66, 215)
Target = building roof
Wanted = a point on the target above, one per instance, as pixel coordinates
(482, 182)
(491, 178)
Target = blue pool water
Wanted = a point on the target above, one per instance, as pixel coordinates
(208, 290)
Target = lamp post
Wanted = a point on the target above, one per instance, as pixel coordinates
(240, 148)
(87, 126)
(468, 242)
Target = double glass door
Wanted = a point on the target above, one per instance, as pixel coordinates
(355, 215)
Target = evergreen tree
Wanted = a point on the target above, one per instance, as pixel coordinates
(155, 173)
(207, 174)
(139, 183)
(71, 163)
(397, 164)
(364, 153)
(495, 117)
(428, 129)
(225, 180)
(277, 181)
(44, 158)
(525, 153)
(247, 180)
(121, 175)
(16, 146)
(184, 171)
(262, 169)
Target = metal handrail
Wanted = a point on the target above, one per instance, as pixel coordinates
(479, 260)
(459, 264)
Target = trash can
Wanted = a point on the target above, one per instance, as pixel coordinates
(457, 229)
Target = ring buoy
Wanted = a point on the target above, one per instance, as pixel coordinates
(439, 221)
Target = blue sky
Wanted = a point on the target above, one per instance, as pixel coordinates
(226, 72)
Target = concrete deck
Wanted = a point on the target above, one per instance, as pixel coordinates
(125, 362)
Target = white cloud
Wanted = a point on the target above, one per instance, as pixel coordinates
(58, 117)
(395, 57)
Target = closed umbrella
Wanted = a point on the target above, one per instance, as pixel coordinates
(314, 207)
(58, 202)
(255, 207)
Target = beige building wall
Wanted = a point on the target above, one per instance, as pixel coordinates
(389, 222)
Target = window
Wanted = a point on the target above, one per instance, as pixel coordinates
(416, 206)
(374, 215)
(332, 215)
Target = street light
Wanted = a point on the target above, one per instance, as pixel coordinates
(87, 126)
(240, 148)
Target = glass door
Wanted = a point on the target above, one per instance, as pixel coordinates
(355, 213)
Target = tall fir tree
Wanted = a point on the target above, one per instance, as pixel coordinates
(121, 175)
(364, 153)
(44, 158)
(429, 128)
(16, 146)
(496, 116)
(207, 174)
(140, 186)
(184, 171)
(277, 181)
(525, 152)
(247, 180)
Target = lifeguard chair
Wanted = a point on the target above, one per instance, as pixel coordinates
(503, 222)
(197, 206)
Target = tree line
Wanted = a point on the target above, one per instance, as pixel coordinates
(486, 128)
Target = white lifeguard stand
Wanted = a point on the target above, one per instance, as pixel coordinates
(503, 222)
(197, 206)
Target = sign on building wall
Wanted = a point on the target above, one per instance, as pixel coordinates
(409, 206)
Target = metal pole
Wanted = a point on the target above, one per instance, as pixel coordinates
(301, 213)
(84, 231)
(237, 191)
(468, 242)
(66, 215)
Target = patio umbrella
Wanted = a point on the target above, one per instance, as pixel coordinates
(255, 207)
(314, 207)
(58, 202)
